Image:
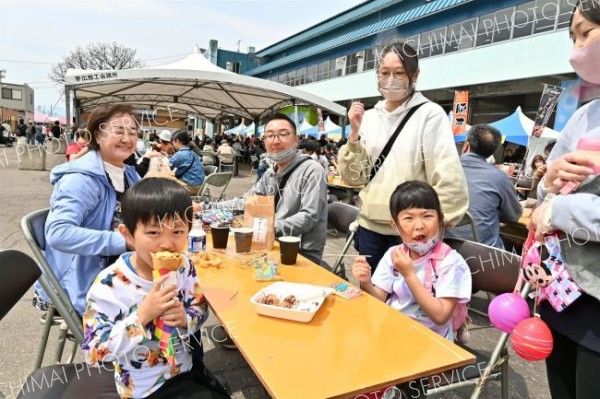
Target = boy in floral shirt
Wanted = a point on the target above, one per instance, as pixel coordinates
(124, 302)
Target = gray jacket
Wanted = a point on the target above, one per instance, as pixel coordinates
(302, 208)
(578, 214)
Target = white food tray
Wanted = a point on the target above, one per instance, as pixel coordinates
(311, 297)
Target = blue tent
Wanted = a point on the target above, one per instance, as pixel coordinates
(516, 128)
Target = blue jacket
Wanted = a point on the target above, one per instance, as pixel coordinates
(189, 167)
(77, 230)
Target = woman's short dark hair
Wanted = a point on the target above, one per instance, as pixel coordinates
(408, 55)
(536, 159)
(181, 136)
(101, 115)
(589, 9)
(415, 194)
(156, 199)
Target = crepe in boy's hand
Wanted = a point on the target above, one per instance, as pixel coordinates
(166, 260)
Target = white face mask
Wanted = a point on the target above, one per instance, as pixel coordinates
(281, 157)
(419, 247)
(393, 89)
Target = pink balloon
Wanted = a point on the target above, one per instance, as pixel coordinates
(532, 339)
(507, 310)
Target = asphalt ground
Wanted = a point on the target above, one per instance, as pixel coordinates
(22, 192)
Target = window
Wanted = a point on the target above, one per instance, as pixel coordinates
(452, 41)
(545, 15)
(339, 67)
(323, 72)
(291, 78)
(311, 74)
(353, 60)
(31, 98)
(503, 25)
(485, 29)
(468, 32)
(12, 94)
(300, 76)
(523, 19)
(432, 42)
(371, 58)
(565, 9)
(494, 27)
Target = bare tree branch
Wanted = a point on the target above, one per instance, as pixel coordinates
(96, 56)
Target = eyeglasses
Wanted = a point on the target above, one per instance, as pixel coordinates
(120, 131)
(280, 136)
(387, 74)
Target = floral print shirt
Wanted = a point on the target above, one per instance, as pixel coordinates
(113, 332)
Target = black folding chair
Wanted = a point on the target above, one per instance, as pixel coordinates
(342, 217)
(33, 226)
(494, 271)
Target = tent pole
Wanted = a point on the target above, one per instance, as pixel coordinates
(256, 122)
(68, 108)
(343, 127)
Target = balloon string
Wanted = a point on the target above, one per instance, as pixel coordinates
(535, 301)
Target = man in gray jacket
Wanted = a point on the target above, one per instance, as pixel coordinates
(298, 183)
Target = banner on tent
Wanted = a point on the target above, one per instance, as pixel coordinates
(460, 112)
(550, 97)
(320, 124)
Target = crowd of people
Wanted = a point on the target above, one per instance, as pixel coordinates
(101, 228)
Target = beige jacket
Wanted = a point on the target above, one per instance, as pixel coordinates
(424, 151)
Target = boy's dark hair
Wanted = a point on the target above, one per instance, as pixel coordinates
(181, 136)
(158, 199)
(481, 143)
(282, 117)
(415, 194)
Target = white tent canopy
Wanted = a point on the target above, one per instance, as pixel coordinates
(191, 85)
(304, 126)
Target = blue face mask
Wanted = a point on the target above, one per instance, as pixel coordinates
(419, 247)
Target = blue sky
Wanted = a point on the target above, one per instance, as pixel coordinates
(41, 32)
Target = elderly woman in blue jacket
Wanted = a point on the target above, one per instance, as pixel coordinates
(85, 205)
(187, 164)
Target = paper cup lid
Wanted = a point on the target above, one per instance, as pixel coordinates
(289, 239)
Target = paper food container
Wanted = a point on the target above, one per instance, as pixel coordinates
(308, 300)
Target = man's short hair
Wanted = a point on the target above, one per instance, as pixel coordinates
(279, 116)
(484, 140)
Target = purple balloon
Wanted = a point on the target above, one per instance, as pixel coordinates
(507, 310)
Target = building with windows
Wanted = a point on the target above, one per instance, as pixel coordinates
(502, 51)
(16, 101)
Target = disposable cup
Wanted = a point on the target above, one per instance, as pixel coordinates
(220, 235)
(289, 247)
(243, 239)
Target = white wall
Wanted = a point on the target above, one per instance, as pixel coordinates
(534, 56)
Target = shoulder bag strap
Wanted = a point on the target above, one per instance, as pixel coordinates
(285, 179)
(388, 146)
(179, 174)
